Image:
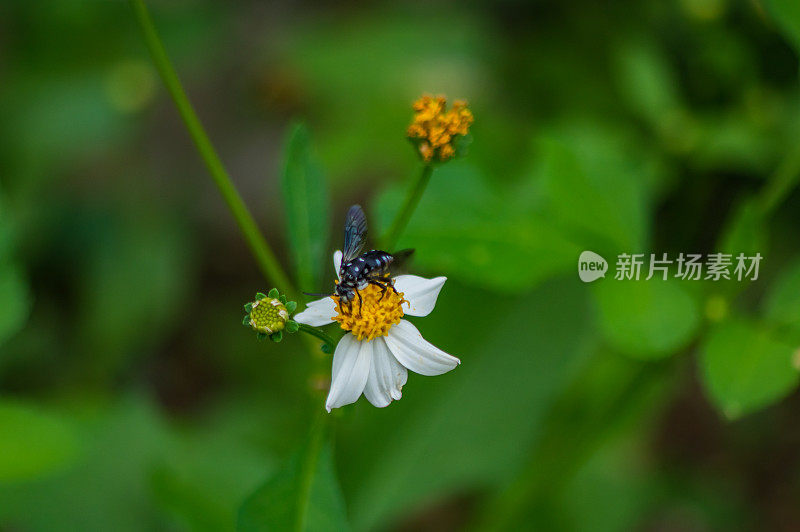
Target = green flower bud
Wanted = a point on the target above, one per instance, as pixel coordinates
(268, 315)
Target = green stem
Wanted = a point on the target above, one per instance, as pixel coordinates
(313, 331)
(782, 182)
(409, 205)
(263, 254)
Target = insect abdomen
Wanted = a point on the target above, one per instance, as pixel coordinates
(376, 260)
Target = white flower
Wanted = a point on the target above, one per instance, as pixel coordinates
(373, 358)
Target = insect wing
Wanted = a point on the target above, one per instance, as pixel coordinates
(400, 260)
(355, 233)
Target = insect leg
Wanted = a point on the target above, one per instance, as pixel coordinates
(379, 283)
(360, 302)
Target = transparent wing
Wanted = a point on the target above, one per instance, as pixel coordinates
(355, 233)
(400, 260)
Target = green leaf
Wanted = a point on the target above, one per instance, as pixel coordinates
(744, 232)
(592, 190)
(305, 195)
(782, 303)
(34, 442)
(647, 80)
(15, 301)
(466, 229)
(745, 367)
(646, 319)
(303, 496)
(787, 14)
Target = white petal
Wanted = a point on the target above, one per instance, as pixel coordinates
(317, 313)
(386, 376)
(420, 293)
(351, 362)
(411, 350)
(337, 261)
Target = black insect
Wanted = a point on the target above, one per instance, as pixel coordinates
(361, 269)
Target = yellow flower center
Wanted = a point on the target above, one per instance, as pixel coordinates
(375, 316)
(268, 315)
(434, 127)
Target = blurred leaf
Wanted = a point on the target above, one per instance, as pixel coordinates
(782, 303)
(471, 428)
(15, 301)
(744, 232)
(745, 368)
(593, 191)
(304, 496)
(647, 80)
(787, 14)
(130, 449)
(108, 484)
(468, 230)
(363, 117)
(612, 491)
(305, 195)
(34, 442)
(202, 480)
(136, 278)
(646, 319)
(189, 502)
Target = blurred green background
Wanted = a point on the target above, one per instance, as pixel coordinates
(131, 398)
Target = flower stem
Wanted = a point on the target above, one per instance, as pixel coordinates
(409, 205)
(261, 250)
(313, 331)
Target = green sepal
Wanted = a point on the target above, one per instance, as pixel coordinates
(260, 296)
(261, 336)
(327, 349)
(292, 326)
(276, 337)
(282, 299)
(291, 306)
(246, 320)
(248, 307)
(273, 293)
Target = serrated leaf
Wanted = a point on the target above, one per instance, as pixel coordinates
(34, 442)
(646, 319)
(305, 196)
(745, 367)
(304, 497)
